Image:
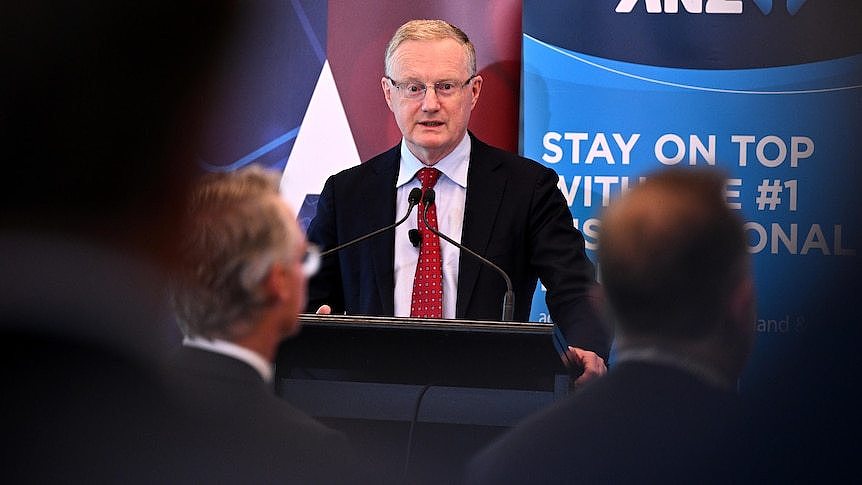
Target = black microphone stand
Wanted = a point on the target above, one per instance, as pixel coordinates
(509, 298)
(412, 199)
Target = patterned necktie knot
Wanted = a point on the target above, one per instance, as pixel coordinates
(428, 176)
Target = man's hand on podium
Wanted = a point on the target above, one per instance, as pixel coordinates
(587, 363)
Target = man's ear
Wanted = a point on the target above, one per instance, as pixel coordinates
(387, 91)
(275, 284)
(475, 89)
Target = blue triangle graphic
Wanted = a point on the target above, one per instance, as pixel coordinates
(765, 6)
(793, 6)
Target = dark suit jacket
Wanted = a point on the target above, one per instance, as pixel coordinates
(640, 423)
(245, 426)
(514, 215)
(85, 398)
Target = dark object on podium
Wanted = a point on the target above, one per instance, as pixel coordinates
(465, 371)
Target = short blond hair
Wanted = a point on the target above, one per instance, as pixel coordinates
(429, 30)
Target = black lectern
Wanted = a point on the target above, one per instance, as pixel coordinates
(465, 371)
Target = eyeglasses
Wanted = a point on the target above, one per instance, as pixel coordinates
(416, 89)
(311, 261)
(253, 273)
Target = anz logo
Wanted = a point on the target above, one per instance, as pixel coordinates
(704, 6)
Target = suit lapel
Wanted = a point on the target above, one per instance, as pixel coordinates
(485, 189)
(380, 205)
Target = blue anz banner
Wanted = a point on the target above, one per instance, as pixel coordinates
(768, 91)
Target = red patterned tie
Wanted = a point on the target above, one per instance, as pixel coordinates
(428, 282)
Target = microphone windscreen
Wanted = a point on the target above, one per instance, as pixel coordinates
(414, 196)
(428, 197)
(415, 237)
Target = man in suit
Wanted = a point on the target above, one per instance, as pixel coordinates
(504, 207)
(237, 295)
(677, 279)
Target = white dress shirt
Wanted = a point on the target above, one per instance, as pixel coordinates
(450, 192)
(233, 350)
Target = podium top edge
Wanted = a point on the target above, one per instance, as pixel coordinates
(429, 324)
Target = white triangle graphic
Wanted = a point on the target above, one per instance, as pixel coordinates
(323, 146)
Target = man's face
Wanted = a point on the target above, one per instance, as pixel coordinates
(432, 125)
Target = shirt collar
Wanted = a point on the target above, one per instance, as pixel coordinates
(230, 349)
(454, 165)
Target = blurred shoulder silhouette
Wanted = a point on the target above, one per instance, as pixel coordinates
(100, 109)
(675, 270)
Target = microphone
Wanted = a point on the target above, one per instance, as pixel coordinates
(415, 237)
(412, 199)
(509, 297)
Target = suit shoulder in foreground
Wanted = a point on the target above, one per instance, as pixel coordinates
(641, 423)
(241, 418)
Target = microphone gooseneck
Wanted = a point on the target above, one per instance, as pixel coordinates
(412, 199)
(509, 297)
